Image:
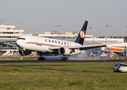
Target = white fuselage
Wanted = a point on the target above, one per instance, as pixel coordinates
(36, 43)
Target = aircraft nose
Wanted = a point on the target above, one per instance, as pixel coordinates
(16, 42)
(20, 43)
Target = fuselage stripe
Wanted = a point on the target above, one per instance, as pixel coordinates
(41, 44)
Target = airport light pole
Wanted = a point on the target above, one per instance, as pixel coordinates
(99, 35)
(59, 29)
(114, 34)
(120, 35)
(90, 31)
(106, 33)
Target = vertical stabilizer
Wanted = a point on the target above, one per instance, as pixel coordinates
(81, 35)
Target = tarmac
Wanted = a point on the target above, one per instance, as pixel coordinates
(57, 61)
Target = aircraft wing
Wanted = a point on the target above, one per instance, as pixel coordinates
(87, 46)
(9, 44)
(81, 47)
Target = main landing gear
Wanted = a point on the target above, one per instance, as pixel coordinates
(41, 58)
(60, 58)
(64, 58)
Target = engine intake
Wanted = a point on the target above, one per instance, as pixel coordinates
(64, 51)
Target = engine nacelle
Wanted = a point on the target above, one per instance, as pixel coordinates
(64, 51)
(24, 52)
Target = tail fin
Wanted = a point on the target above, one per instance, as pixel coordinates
(81, 35)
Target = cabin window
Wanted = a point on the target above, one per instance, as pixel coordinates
(22, 38)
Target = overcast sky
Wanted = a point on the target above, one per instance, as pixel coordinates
(37, 16)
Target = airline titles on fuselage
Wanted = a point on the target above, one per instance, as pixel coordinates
(58, 42)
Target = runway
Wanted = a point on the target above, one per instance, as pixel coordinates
(57, 61)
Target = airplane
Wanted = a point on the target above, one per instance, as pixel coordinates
(118, 48)
(28, 43)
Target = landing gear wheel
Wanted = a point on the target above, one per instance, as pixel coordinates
(64, 58)
(41, 58)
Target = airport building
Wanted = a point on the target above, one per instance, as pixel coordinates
(9, 34)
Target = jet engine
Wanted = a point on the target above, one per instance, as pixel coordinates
(64, 51)
(24, 52)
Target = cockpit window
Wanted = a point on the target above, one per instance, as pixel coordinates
(22, 38)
